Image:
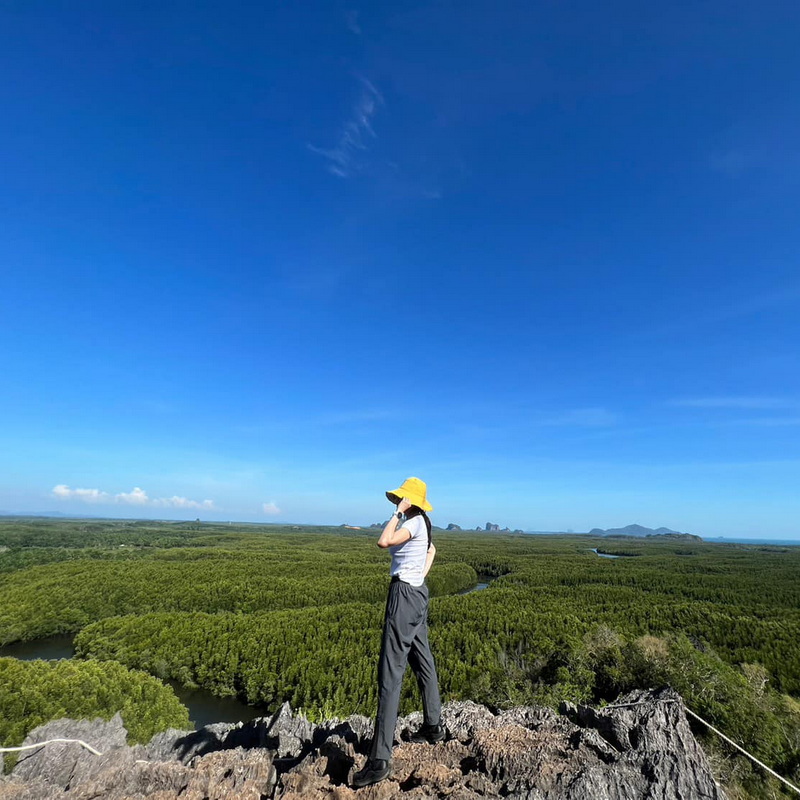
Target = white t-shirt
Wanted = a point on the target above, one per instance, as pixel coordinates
(408, 559)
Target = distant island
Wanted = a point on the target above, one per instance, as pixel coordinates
(490, 527)
(639, 531)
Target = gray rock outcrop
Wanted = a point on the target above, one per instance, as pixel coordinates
(641, 751)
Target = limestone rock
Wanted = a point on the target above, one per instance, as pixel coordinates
(643, 750)
(65, 764)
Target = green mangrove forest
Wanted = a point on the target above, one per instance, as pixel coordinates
(271, 614)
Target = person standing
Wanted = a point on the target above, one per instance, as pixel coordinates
(407, 536)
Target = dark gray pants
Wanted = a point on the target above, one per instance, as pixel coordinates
(405, 640)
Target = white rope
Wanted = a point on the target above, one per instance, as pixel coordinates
(719, 733)
(640, 703)
(616, 705)
(730, 741)
(50, 741)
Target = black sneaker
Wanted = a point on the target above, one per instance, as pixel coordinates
(429, 733)
(375, 770)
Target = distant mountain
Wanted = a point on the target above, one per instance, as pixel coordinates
(639, 531)
(33, 514)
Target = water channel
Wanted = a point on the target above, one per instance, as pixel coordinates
(204, 707)
(483, 583)
(604, 555)
(609, 555)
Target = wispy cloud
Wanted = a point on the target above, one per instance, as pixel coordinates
(743, 403)
(734, 402)
(766, 145)
(270, 509)
(345, 157)
(351, 17)
(155, 406)
(183, 502)
(584, 417)
(765, 422)
(589, 421)
(729, 161)
(136, 497)
(357, 416)
(776, 300)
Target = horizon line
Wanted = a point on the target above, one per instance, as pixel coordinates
(517, 532)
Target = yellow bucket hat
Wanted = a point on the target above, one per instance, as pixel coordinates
(414, 490)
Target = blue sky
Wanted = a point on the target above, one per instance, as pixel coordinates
(262, 261)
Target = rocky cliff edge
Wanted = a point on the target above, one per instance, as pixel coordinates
(644, 750)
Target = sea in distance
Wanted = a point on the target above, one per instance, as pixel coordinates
(707, 539)
(725, 539)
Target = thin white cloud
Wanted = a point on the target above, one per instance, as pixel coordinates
(584, 417)
(344, 158)
(184, 502)
(759, 145)
(734, 401)
(136, 497)
(778, 300)
(765, 422)
(735, 161)
(358, 416)
(270, 509)
(352, 22)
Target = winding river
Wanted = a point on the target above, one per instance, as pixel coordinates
(204, 707)
(604, 555)
(609, 555)
(483, 583)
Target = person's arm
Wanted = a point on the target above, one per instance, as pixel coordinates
(392, 535)
(429, 559)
